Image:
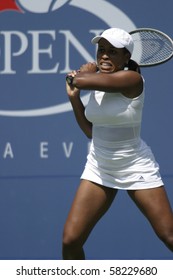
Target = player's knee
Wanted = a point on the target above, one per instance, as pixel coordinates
(70, 240)
(167, 238)
(169, 242)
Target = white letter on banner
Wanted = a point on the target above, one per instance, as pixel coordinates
(70, 38)
(8, 49)
(67, 150)
(43, 149)
(37, 51)
(8, 151)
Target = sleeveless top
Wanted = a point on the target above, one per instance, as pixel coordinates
(118, 157)
(115, 117)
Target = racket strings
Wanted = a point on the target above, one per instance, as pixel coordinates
(153, 47)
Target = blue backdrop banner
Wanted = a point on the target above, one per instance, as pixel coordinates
(42, 149)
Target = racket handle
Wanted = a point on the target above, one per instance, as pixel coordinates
(69, 80)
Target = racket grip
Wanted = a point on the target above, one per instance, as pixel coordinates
(69, 80)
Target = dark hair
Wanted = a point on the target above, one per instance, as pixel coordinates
(132, 65)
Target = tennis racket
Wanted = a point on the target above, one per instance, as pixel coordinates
(151, 47)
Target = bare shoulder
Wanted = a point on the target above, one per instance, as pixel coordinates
(132, 83)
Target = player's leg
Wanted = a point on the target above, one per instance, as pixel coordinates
(155, 206)
(89, 205)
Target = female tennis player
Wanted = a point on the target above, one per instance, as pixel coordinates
(118, 158)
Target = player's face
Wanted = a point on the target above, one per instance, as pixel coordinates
(109, 58)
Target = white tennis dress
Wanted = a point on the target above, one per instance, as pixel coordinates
(118, 157)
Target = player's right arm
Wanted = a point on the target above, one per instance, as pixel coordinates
(79, 110)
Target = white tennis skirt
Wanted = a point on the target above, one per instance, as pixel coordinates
(128, 165)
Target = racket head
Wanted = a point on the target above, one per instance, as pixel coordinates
(151, 47)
